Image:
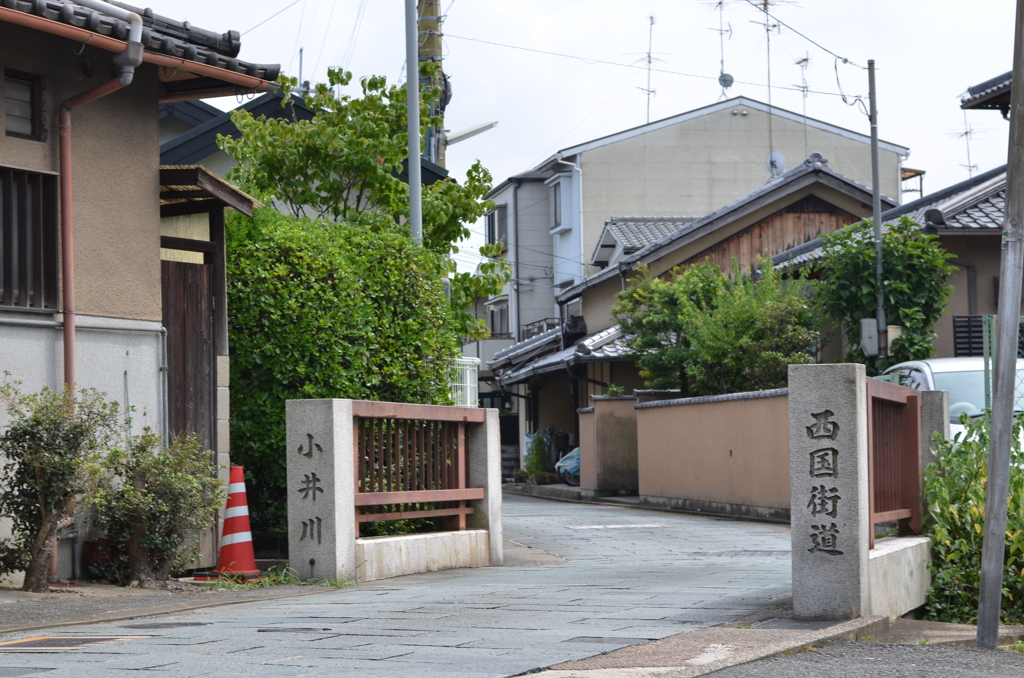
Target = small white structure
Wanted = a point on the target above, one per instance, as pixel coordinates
(464, 382)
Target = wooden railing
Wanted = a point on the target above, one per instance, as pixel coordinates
(894, 456)
(411, 462)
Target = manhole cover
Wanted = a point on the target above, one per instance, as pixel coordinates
(795, 624)
(609, 641)
(164, 625)
(291, 630)
(60, 643)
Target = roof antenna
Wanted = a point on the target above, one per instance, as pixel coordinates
(966, 135)
(724, 79)
(772, 161)
(803, 64)
(650, 60)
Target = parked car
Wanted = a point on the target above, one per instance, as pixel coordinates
(964, 378)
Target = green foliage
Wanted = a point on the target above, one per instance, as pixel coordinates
(50, 440)
(538, 459)
(613, 390)
(341, 166)
(915, 277)
(955, 495)
(652, 314)
(321, 309)
(274, 577)
(153, 501)
(707, 335)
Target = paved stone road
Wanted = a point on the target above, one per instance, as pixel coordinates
(631, 575)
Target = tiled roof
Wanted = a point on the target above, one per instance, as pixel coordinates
(977, 203)
(177, 39)
(986, 89)
(604, 346)
(637, 232)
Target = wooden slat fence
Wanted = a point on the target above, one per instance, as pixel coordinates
(894, 456)
(411, 462)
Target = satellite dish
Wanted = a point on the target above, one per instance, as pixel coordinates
(725, 80)
(775, 163)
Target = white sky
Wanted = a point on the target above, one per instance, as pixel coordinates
(927, 53)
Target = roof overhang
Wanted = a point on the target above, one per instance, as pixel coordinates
(180, 79)
(192, 189)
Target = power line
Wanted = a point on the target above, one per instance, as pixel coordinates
(327, 33)
(271, 17)
(634, 66)
(816, 44)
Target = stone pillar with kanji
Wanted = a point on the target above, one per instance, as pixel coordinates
(828, 434)
(321, 490)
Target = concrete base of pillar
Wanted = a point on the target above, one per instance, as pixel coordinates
(385, 557)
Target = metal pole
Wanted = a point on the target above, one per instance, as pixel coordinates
(1007, 330)
(412, 94)
(876, 210)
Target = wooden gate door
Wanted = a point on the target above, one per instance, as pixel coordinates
(188, 315)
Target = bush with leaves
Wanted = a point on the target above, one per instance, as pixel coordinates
(51, 438)
(651, 314)
(538, 458)
(153, 501)
(915, 283)
(707, 335)
(955, 495)
(322, 309)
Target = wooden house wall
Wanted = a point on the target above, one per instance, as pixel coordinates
(799, 223)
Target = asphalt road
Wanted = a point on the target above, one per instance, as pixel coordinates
(876, 660)
(624, 576)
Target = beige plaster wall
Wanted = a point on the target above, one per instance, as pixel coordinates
(597, 303)
(608, 463)
(116, 170)
(698, 165)
(729, 452)
(588, 449)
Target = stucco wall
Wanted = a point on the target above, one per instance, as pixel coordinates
(698, 165)
(115, 166)
(608, 452)
(724, 456)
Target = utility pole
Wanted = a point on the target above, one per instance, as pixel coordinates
(430, 49)
(412, 96)
(876, 209)
(1007, 330)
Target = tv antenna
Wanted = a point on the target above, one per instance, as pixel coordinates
(724, 79)
(650, 59)
(803, 64)
(773, 167)
(967, 135)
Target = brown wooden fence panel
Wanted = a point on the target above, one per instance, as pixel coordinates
(411, 462)
(894, 456)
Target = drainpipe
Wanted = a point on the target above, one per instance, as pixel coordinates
(515, 232)
(126, 62)
(972, 284)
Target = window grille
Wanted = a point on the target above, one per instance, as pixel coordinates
(21, 105)
(463, 382)
(28, 240)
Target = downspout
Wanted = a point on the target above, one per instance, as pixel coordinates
(972, 284)
(126, 62)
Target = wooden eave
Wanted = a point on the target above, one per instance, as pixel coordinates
(191, 189)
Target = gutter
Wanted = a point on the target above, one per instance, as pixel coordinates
(128, 58)
(238, 80)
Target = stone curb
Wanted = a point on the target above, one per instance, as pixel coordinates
(152, 610)
(866, 628)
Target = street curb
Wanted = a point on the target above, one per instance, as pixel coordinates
(153, 610)
(864, 629)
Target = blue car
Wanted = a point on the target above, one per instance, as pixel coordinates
(568, 468)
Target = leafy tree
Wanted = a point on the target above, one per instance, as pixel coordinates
(651, 314)
(153, 501)
(752, 331)
(915, 283)
(325, 309)
(47, 446)
(704, 334)
(342, 165)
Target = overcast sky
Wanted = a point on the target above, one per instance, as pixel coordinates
(927, 53)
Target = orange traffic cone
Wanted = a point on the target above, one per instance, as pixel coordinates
(236, 558)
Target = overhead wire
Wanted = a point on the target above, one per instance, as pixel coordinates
(813, 42)
(327, 33)
(624, 65)
(281, 11)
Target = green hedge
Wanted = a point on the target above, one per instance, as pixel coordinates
(319, 309)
